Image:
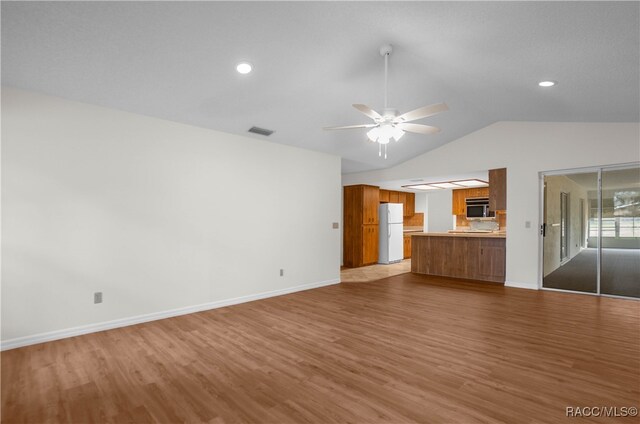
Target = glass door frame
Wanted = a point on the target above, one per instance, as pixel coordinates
(590, 169)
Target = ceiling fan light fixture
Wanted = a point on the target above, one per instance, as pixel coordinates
(373, 134)
(397, 133)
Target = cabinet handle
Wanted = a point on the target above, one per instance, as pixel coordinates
(482, 251)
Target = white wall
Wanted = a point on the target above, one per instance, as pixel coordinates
(421, 207)
(155, 214)
(421, 203)
(525, 149)
(439, 217)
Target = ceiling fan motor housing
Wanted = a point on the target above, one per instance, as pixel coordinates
(389, 114)
(386, 49)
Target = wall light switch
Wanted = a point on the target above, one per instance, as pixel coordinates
(527, 224)
(336, 225)
(97, 297)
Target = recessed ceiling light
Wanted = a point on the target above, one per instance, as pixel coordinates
(244, 67)
(547, 83)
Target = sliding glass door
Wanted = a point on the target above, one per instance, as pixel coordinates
(570, 263)
(591, 231)
(620, 236)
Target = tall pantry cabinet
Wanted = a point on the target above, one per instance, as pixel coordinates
(360, 225)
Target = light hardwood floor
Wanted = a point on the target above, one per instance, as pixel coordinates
(407, 348)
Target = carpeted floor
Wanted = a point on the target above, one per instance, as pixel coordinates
(620, 273)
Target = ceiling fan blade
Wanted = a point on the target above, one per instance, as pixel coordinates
(422, 112)
(418, 128)
(368, 111)
(348, 127)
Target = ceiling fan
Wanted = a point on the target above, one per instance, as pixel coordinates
(389, 124)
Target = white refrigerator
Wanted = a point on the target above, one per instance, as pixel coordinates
(391, 235)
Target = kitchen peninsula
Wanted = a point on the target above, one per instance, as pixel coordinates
(470, 255)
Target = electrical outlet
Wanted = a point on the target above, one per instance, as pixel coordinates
(281, 272)
(97, 297)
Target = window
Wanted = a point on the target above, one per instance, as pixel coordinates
(620, 214)
(629, 227)
(619, 227)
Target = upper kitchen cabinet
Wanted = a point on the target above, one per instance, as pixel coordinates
(498, 189)
(371, 200)
(458, 203)
(393, 197)
(477, 192)
(361, 204)
(410, 205)
(402, 198)
(384, 196)
(460, 196)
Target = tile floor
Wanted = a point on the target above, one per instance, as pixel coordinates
(374, 272)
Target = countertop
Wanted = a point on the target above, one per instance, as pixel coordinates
(408, 229)
(462, 234)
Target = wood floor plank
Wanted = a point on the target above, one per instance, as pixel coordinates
(408, 348)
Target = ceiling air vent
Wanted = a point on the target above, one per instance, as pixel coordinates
(261, 131)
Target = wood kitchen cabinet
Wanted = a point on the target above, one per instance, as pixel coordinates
(370, 244)
(408, 200)
(477, 192)
(407, 246)
(498, 189)
(460, 196)
(492, 262)
(410, 205)
(402, 198)
(458, 206)
(474, 258)
(360, 225)
(370, 203)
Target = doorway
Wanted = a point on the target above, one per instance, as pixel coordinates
(564, 221)
(591, 231)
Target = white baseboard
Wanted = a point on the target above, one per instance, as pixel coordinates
(518, 285)
(123, 322)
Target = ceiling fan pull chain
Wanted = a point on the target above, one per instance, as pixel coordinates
(379, 149)
(385, 151)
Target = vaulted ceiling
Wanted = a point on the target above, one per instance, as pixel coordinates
(312, 60)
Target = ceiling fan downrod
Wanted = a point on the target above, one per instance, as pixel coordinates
(386, 50)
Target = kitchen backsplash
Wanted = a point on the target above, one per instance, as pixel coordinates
(501, 220)
(483, 225)
(416, 220)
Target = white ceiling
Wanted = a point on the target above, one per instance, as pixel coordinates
(312, 60)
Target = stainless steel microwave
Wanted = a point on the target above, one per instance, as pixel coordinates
(478, 207)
